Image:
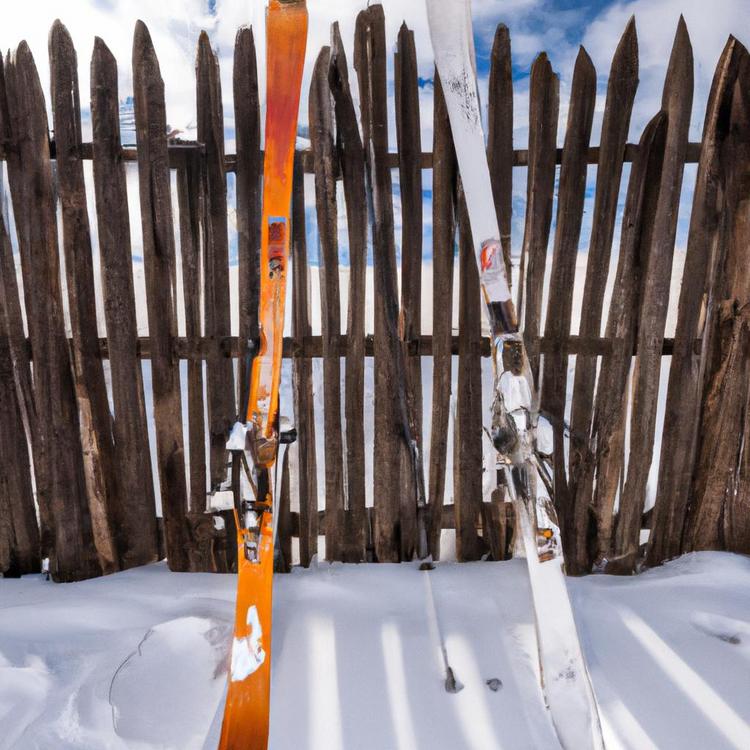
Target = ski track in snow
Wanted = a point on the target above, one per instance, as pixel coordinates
(138, 659)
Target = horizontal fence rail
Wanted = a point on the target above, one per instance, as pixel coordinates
(78, 485)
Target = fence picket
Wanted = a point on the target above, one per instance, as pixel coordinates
(321, 138)
(91, 391)
(19, 533)
(543, 110)
(684, 395)
(468, 426)
(408, 135)
(220, 376)
(137, 522)
(613, 393)
(571, 194)
(621, 88)
(677, 100)
(395, 526)
(444, 186)
(500, 136)
(62, 497)
(159, 263)
(304, 409)
(351, 159)
(718, 515)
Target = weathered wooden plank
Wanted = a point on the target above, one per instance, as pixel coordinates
(444, 184)
(468, 426)
(737, 518)
(91, 391)
(20, 352)
(19, 533)
(679, 441)
(594, 508)
(394, 532)
(304, 409)
(677, 99)
(571, 195)
(248, 171)
(210, 552)
(136, 522)
(408, 135)
(220, 375)
(500, 136)
(200, 347)
(520, 155)
(159, 255)
(71, 546)
(351, 158)
(544, 104)
(321, 138)
(495, 524)
(621, 88)
(718, 517)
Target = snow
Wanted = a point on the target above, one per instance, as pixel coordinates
(247, 653)
(139, 659)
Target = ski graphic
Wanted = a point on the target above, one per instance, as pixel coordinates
(515, 410)
(247, 708)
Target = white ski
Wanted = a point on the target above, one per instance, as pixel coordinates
(564, 677)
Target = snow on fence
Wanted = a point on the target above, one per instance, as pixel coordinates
(90, 472)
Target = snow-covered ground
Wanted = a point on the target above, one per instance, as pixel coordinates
(138, 659)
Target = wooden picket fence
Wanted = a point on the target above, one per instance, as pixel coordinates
(89, 472)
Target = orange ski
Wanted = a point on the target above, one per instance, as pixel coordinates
(246, 713)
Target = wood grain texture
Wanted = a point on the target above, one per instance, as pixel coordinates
(136, 522)
(500, 136)
(370, 64)
(97, 441)
(211, 551)
(444, 187)
(304, 409)
(19, 532)
(677, 101)
(351, 158)
(718, 512)
(468, 425)
(571, 194)
(600, 477)
(70, 547)
(159, 264)
(20, 353)
(408, 137)
(219, 370)
(248, 172)
(544, 104)
(621, 88)
(321, 138)
(682, 410)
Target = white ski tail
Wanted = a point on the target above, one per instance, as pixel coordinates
(565, 680)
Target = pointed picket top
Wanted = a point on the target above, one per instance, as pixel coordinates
(144, 52)
(60, 39)
(679, 77)
(624, 68)
(621, 89)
